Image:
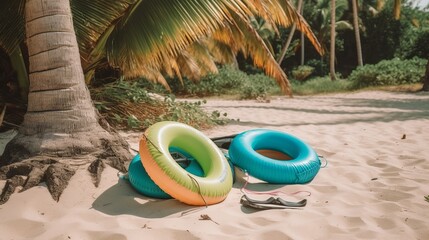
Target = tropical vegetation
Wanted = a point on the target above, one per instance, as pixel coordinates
(59, 41)
(52, 51)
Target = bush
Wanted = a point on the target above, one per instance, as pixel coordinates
(415, 44)
(321, 68)
(389, 72)
(320, 85)
(227, 80)
(302, 72)
(258, 85)
(126, 105)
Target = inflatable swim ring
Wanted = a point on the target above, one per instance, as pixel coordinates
(301, 168)
(142, 183)
(173, 179)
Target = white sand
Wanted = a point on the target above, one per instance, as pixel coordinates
(372, 188)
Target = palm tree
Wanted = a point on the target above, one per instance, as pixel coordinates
(104, 36)
(291, 33)
(332, 48)
(60, 117)
(61, 122)
(379, 5)
(238, 26)
(357, 34)
(302, 41)
(320, 19)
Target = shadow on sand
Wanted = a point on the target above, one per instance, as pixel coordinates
(121, 199)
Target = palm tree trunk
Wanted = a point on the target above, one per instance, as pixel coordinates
(332, 48)
(289, 39)
(301, 11)
(286, 46)
(58, 98)
(357, 34)
(426, 78)
(60, 118)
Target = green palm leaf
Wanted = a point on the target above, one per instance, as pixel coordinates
(95, 19)
(141, 37)
(162, 27)
(253, 45)
(11, 24)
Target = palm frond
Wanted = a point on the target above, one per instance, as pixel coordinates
(203, 57)
(188, 66)
(166, 27)
(94, 20)
(193, 62)
(253, 45)
(283, 13)
(171, 68)
(221, 52)
(152, 38)
(12, 30)
(154, 75)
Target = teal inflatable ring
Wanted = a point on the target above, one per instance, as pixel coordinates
(142, 183)
(302, 168)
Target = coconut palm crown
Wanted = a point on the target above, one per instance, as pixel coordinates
(155, 38)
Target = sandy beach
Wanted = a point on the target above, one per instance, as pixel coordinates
(373, 187)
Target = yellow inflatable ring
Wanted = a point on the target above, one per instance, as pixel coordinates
(191, 189)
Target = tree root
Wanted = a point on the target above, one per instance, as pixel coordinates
(55, 174)
(56, 171)
(10, 187)
(96, 168)
(29, 160)
(28, 174)
(57, 177)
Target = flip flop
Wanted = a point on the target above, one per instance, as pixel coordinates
(271, 203)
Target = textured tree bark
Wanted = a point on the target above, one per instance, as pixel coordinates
(357, 34)
(426, 78)
(61, 121)
(62, 103)
(332, 47)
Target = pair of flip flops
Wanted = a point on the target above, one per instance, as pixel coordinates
(271, 203)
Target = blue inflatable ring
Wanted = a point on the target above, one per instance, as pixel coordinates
(302, 168)
(143, 184)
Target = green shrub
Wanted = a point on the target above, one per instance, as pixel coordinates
(258, 85)
(416, 45)
(389, 72)
(321, 68)
(302, 72)
(320, 85)
(126, 105)
(228, 80)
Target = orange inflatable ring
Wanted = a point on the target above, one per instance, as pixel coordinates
(191, 189)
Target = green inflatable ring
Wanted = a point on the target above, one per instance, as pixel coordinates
(173, 179)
